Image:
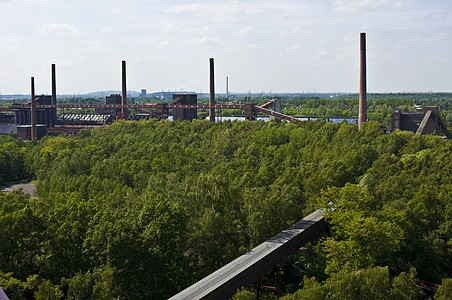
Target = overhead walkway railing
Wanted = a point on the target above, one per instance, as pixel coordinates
(245, 270)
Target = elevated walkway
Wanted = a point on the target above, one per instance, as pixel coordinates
(243, 271)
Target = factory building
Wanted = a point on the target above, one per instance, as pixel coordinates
(185, 113)
(428, 122)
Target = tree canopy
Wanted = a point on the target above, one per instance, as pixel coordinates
(141, 210)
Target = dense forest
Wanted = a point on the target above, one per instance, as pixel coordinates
(141, 210)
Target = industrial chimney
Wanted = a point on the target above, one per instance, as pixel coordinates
(227, 87)
(362, 83)
(124, 89)
(212, 92)
(54, 101)
(33, 133)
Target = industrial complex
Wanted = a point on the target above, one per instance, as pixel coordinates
(39, 117)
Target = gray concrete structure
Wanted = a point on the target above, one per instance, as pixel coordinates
(243, 271)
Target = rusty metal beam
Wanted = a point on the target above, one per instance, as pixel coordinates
(152, 105)
(274, 113)
(362, 82)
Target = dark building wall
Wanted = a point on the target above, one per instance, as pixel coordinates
(113, 99)
(411, 121)
(24, 132)
(44, 116)
(185, 113)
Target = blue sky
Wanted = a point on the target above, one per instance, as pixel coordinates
(263, 46)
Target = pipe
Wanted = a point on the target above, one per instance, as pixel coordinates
(212, 91)
(33, 132)
(362, 83)
(54, 101)
(124, 88)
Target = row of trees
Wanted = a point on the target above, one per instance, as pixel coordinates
(12, 160)
(141, 210)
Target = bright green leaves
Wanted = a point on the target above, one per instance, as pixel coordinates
(367, 283)
(362, 236)
(12, 160)
(150, 207)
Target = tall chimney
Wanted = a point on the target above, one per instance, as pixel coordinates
(212, 92)
(33, 132)
(54, 101)
(227, 87)
(124, 88)
(362, 83)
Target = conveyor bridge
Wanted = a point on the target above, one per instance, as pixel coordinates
(248, 268)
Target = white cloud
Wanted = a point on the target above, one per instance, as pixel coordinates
(205, 40)
(107, 29)
(245, 31)
(243, 47)
(354, 6)
(293, 48)
(163, 44)
(170, 28)
(217, 11)
(321, 54)
(295, 31)
(59, 29)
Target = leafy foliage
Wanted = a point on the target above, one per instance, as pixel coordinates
(140, 210)
(369, 283)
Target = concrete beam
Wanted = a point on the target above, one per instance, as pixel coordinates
(243, 271)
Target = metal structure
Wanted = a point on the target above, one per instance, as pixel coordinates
(42, 110)
(248, 268)
(362, 82)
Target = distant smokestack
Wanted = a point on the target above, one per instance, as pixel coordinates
(124, 88)
(212, 91)
(33, 132)
(227, 87)
(362, 83)
(54, 101)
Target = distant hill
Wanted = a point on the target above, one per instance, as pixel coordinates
(103, 94)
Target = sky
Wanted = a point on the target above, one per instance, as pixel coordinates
(262, 46)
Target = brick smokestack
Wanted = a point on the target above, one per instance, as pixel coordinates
(124, 89)
(54, 101)
(362, 83)
(34, 133)
(212, 91)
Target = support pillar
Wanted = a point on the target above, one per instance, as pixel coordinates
(276, 289)
(362, 82)
(212, 91)
(250, 112)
